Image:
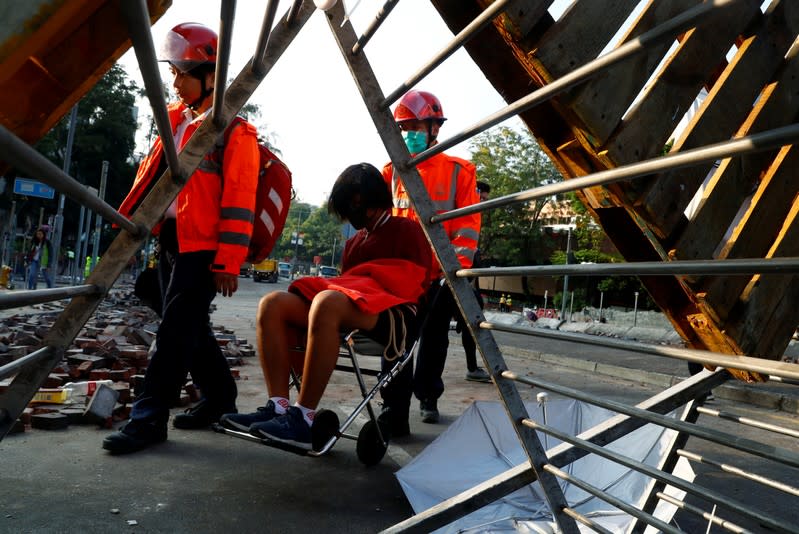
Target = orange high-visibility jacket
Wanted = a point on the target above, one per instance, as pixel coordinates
(451, 183)
(212, 213)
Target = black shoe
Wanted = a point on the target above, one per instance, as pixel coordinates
(429, 410)
(202, 415)
(396, 420)
(135, 436)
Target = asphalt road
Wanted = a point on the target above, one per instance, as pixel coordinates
(199, 481)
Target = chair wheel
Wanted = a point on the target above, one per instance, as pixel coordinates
(325, 426)
(371, 448)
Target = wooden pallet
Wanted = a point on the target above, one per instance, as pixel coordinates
(52, 52)
(629, 113)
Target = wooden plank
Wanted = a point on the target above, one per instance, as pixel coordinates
(727, 105)
(513, 78)
(576, 38)
(648, 126)
(667, 292)
(58, 59)
(602, 102)
(522, 18)
(768, 314)
(758, 228)
(735, 179)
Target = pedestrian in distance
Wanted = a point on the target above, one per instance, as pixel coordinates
(203, 240)
(40, 258)
(502, 303)
(385, 270)
(451, 183)
(474, 373)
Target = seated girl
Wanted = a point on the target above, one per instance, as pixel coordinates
(385, 268)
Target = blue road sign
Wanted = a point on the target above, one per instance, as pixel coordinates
(32, 188)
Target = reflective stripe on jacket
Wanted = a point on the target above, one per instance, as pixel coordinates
(212, 214)
(451, 183)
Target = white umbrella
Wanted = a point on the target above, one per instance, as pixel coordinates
(482, 444)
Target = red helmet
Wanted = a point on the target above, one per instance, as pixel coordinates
(419, 105)
(189, 45)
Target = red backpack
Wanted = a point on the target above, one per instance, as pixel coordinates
(272, 199)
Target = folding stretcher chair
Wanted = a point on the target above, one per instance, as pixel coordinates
(373, 437)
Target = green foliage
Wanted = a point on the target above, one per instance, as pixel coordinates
(587, 242)
(510, 161)
(320, 230)
(105, 130)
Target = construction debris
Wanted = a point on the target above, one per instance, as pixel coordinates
(104, 367)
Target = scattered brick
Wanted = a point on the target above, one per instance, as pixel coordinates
(25, 417)
(115, 344)
(50, 421)
(75, 415)
(100, 374)
(123, 391)
(53, 381)
(121, 374)
(17, 428)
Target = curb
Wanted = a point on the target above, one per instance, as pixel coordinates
(733, 391)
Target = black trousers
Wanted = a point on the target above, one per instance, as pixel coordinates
(434, 342)
(469, 346)
(185, 343)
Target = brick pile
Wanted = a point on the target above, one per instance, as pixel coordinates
(111, 353)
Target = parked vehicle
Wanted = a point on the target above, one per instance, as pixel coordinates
(266, 271)
(327, 271)
(245, 269)
(284, 269)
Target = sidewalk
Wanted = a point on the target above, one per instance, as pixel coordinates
(652, 370)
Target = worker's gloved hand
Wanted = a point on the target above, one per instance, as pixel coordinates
(227, 284)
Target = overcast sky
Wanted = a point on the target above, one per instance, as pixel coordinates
(309, 100)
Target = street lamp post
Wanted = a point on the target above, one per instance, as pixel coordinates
(566, 277)
(297, 243)
(59, 218)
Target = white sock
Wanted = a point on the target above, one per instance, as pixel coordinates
(307, 413)
(281, 403)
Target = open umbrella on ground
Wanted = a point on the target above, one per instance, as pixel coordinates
(482, 444)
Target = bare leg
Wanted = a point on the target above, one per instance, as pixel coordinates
(330, 312)
(279, 314)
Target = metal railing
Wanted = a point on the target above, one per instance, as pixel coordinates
(544, 466)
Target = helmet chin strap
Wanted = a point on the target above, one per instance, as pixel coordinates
(430, 139)
(204, 93)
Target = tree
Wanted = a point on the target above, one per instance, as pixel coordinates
(105, 130)
(590, 244)
(322, 231)
(295, 221)
(510, 161)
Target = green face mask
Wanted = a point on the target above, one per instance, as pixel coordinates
(415, 141)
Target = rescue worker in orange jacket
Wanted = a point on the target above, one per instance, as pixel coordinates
(203, 239)
(451, 183)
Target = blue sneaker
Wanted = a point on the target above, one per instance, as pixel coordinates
(243, 421)
(289, 428)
